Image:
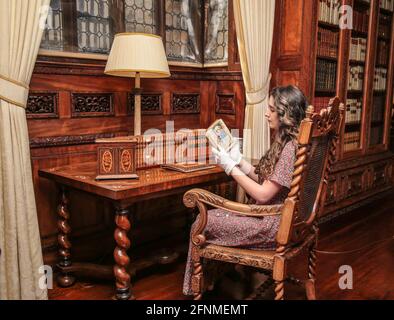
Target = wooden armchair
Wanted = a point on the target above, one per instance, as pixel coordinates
(298, 230)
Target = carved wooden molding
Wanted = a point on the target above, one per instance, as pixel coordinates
(44, 142)
(345, 165)
(151, 103)
(233, 256)
(92, 104)
(185, 103)
(225, 103)
(41, 105)
(78, 66)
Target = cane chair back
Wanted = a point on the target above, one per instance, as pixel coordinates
(315, 156)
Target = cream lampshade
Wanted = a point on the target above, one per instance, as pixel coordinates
(137, 55)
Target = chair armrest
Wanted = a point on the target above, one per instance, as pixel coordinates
(192, 197)
(200, 198)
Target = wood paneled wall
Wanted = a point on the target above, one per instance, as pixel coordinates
(294, 38)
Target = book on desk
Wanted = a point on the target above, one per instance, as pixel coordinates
(188, 167)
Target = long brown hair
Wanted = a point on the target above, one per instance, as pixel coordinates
(290, 105)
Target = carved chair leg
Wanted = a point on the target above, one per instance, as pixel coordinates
(279, 289)
(122, 260)
(310, 285)
(279, 273)
(310, 289)
(197, 276)
(312, 263)
(65, 279)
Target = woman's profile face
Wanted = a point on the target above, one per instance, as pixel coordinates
(272, 115)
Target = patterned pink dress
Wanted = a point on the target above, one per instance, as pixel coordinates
(226, 228)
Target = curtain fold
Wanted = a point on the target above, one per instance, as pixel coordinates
(21, 28)
(254, 21)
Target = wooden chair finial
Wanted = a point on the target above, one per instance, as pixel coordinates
(309, 111)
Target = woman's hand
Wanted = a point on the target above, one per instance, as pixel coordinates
(224, 159)
(235, 153)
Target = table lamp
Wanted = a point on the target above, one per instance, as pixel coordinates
(137, 55)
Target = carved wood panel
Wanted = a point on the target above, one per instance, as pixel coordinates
(57, 141)
(92, 104)
(151, 103)
(42, 105)
(185, 103)
(225, 103)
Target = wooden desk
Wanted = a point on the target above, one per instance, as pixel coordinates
(152, 183)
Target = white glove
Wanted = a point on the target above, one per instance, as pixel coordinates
(235, 153)
(223, 159)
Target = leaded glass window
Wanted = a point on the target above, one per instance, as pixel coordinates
(94, 29)
(194, 31)
(52, 38)
(183, 30)
(216, 43)
(140, 16)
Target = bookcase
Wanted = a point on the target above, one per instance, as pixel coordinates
(319, 49)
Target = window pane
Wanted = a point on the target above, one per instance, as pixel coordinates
(140, 16)
(52, 38)
(216, 43)
(94, 28)
(183, 30)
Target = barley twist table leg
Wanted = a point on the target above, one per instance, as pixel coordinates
(65, 279)
(122, 260)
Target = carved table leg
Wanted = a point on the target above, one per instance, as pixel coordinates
(122, 260)
(65, 279)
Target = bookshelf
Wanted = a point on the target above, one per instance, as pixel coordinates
(356, 65)
(314, 51)
(379, 121)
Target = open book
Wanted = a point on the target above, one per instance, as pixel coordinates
(219, 135)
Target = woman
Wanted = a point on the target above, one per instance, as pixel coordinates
(267, 183)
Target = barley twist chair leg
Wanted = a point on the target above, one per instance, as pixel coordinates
(279, 290)
(312, 263)
(197, 276)
(310, 283)
(310, 289)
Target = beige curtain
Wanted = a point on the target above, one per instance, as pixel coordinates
(254, 21)
(21, 27)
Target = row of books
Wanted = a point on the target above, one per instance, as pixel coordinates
(325, 75)
(321, 103)
(379, 103)
(329, 11)
(356, 78)
(328, 42)
(351, 141)
(380, 79)
(387, 4)
(353, 111)
(383, 51)
(360, 21)
(384, 29)
(358, 49)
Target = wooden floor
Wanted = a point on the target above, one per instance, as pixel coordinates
(373, 276)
